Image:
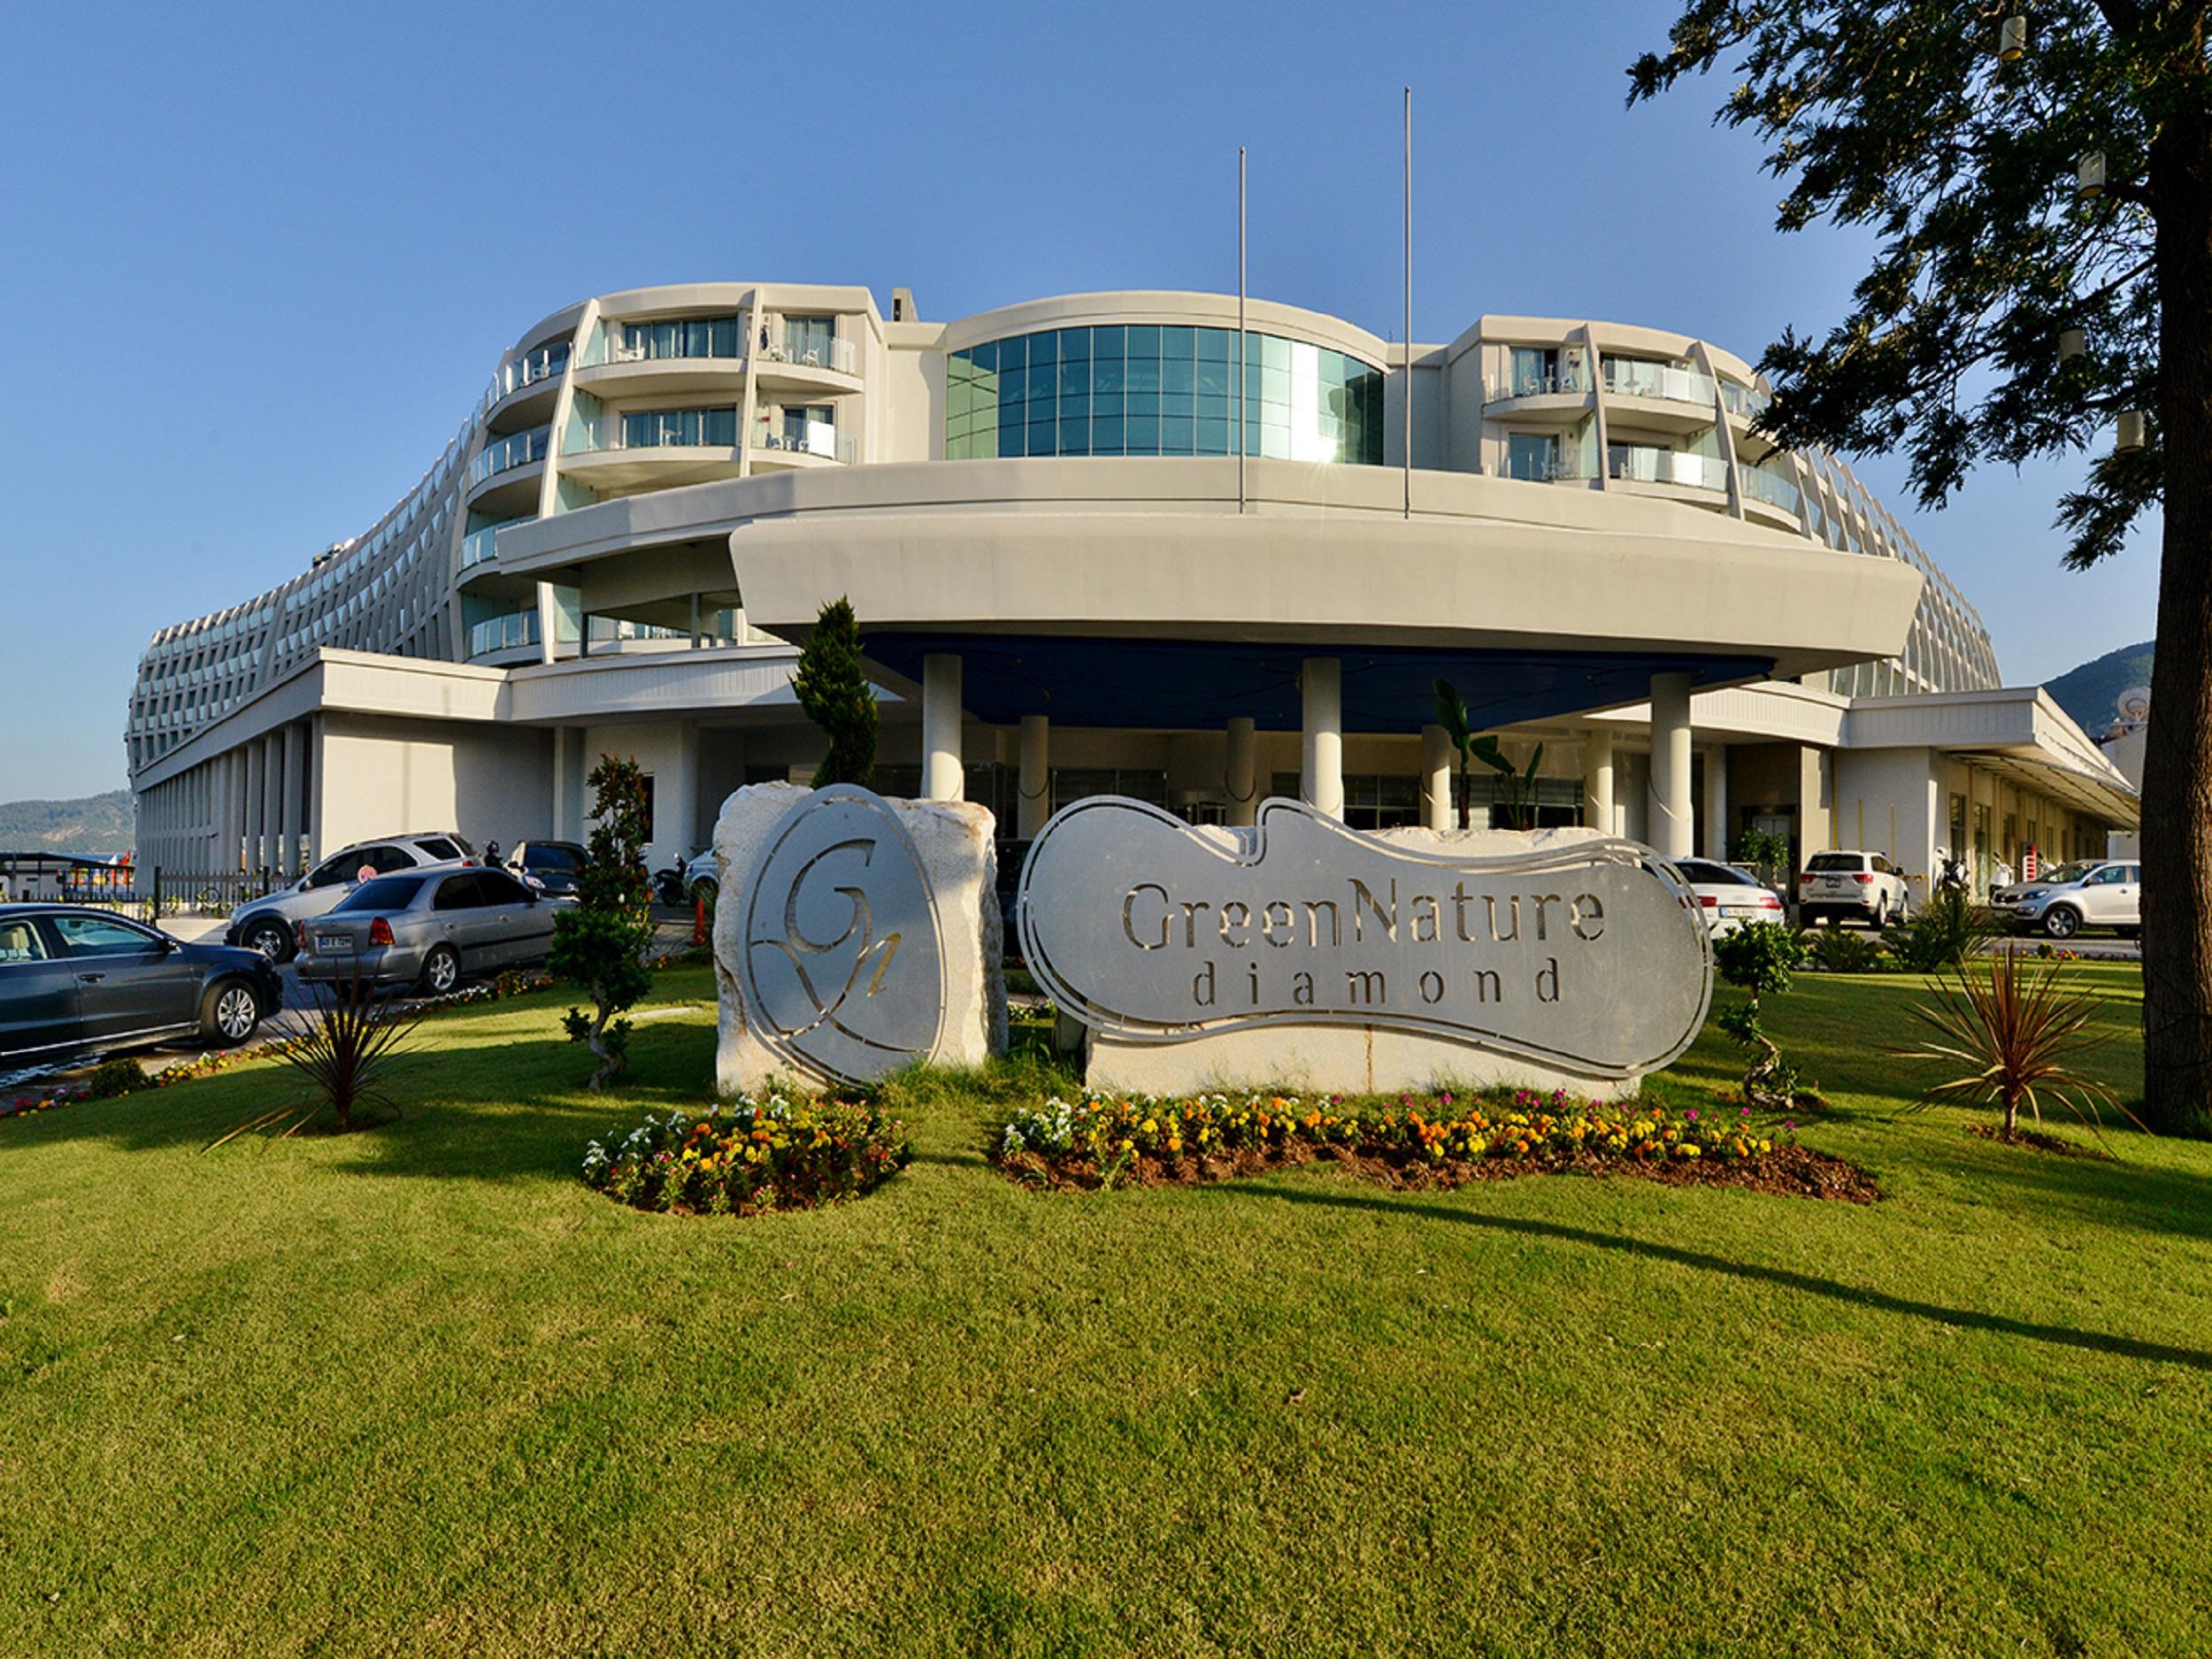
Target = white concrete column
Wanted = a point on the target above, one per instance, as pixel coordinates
(1034, 784)
(1716, 802)
(249, 804)
(1321, 692)
(1671, 819)
(943, 777)
(1241, 773)
(288, 807)
(1597, 780)
(1437, 756)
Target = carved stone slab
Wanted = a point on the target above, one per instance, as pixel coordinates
(1586, 959)
(858, 934)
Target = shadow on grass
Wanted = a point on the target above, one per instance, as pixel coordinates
(1806, 1284)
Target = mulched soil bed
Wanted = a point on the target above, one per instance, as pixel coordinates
(1791, 1171)
(2037, 1140)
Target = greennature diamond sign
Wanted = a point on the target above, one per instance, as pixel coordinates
(1589, 957)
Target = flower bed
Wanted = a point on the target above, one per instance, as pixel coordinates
(1414, 1140)
(748, 1156)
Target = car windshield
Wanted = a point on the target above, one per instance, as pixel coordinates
(1714, 875)
(385, 893)
(548, 858)
(2060, 875)
(1853, 862)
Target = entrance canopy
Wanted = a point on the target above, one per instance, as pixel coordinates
(1183, 685)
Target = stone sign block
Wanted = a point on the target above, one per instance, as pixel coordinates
(1302, 952)
(855, 935)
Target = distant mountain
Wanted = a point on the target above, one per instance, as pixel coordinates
(2088, 693)
(98, 824)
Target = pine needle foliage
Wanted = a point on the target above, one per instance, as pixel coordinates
(833, 690)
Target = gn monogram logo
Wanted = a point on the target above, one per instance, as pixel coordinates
(843, 966)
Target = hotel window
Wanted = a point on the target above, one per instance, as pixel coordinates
(808, 338)
(1535, 370)
(1532, 456)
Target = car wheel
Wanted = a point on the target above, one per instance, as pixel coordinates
(1881, 914)
(2062, 921)
(272, 938)
(440, 970)
(229, 1012)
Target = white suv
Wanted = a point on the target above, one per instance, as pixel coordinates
(1852, 886)
(2070, 897)
(265, 925)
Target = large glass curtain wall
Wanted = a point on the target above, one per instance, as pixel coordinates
(1150, 389)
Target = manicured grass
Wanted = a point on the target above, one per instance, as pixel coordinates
(419, 1391)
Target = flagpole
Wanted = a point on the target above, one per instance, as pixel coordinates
(1239, 327)
(1409, 334)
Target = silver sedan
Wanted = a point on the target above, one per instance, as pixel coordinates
(428, 929)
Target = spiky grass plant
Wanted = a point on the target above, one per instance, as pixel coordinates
(2021, 1035)
(344, 1045)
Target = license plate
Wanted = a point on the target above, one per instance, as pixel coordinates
(1739, 909)
(334, 944)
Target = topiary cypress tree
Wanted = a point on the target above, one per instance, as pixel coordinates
(834, 689)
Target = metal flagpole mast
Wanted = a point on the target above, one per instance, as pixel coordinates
(1409, 334)
(1239, 327)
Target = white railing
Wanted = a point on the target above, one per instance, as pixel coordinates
(510, 633)
(1646, 463)
(1573, 381)
(1772, 488)
(1627, 377)
(506, 454)
(1748, 401)
(810, 350)
(532, 367)
(803, 437)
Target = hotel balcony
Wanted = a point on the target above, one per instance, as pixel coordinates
(504, 473)
(525, 386)
(1661, 395)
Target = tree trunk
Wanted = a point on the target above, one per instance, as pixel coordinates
(2178, 762)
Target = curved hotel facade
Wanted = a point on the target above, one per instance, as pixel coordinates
(1108, 543)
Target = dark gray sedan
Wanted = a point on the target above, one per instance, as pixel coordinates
(429, 928)
(75, 980)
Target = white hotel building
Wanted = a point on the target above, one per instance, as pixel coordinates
(1069, 582)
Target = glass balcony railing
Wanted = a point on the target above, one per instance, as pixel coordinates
(509, 632)
(607, 630)
(803, 437)
(480, 547)
(812, 349)
(1571, 380)
(1748, 401)
(503, 455)
(1647, 463)
(1627, 377)
(531, 368)
(1772, 488)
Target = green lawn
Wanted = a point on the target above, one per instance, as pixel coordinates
(419, 1391)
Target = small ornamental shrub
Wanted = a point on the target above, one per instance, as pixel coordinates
(750, 1156)
(1840, 950)
(2019, 1036)
(1100, 1135)
(1759, 958)
(600, 942)
(833, 687)
(111, 1078)
(1941, 934)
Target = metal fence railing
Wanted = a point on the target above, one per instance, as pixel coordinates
(151, 894)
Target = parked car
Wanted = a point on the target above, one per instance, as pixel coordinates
(551, 867)
(271, 925)
(75, 980)
(428, 927)
(1728, 897)
(702, 879)
(1857, 887)
(2097, 893)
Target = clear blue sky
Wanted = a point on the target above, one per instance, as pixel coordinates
(260, 260)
